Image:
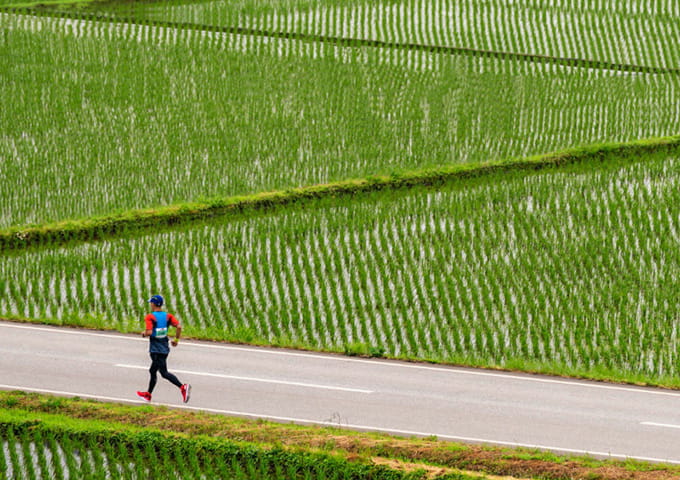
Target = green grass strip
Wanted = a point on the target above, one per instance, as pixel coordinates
(151, 219)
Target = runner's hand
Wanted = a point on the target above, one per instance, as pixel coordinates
(175, 343)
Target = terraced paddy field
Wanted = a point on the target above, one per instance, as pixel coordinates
(111, 116)
(566, 271)
(119, 106)
(141, 141)
(625, 32)
(58, 447)
(50, 437)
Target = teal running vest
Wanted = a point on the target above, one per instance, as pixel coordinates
(158, 341)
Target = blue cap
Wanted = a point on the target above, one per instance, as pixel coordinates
(156, 300)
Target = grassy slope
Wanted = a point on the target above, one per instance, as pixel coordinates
(89, 229)
(430, 455)
(145, 447)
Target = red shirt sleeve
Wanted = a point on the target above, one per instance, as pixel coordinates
(172, 320)
(149, 321)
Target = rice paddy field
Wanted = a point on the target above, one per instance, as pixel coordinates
(109, 116)
(572, 269)
(118, 106)
(49, 446)
(621, 31)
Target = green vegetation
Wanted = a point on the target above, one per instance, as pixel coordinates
(128, 435)
(603, 32)
(108, 116)
(187, 147)
(152, 219)
(54, 446)
(569, 272)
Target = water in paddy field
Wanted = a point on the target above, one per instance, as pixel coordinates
(53, 460)
(635, 33)
(422, 109)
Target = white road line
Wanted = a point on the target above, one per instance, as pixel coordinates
(384, 363)
(73, 331)
(253, 379)
(347, 425)
(665, 425)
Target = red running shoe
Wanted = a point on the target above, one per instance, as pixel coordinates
(186, 392)
(146, 396)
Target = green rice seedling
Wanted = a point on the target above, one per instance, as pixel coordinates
(292, 471)
(141, 462)
(15, 464)
(83, 457)
(28, 456)
(222, 467)
(170, 464)
(194, 463)
(4, 467)
(210, 467)
(112, 460)
(57, 464)
(238, 470)
(154, 459)
(123, 455)
(182, 461)
(101, 467)
(41, 449)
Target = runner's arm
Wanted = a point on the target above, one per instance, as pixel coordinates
(178, 333)
(178, 329)
(148, 325)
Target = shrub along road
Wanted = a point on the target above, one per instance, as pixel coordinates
(408, 399)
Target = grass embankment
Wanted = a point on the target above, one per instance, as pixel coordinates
(360, 453)
(151, 219)
(107, 449)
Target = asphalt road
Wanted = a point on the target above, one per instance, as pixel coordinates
(406, 399)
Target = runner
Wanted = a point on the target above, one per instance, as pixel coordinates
(157, 324)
